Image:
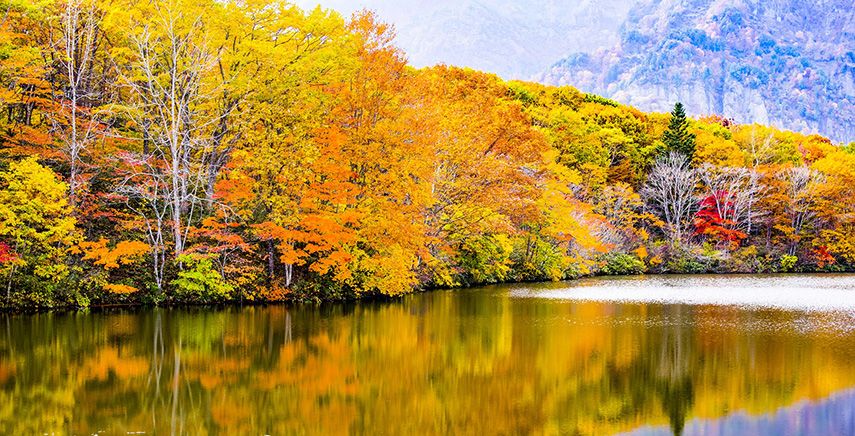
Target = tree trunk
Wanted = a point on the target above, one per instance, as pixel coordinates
(9, 286)
(289, 273)
(270, 259)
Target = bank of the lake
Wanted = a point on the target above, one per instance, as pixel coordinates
(313, 293)
(638, 355)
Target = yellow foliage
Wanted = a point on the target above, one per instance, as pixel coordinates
(713, 145)
(36, 218)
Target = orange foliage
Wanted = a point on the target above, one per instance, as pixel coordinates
(320, 159)
(120, 289)
(125, 252)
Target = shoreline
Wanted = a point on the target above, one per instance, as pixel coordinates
(374, 297)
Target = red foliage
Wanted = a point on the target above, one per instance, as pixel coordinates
(709, 220)
(6, 254)
(822, 257)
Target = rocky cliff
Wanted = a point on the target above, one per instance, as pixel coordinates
(789, 63)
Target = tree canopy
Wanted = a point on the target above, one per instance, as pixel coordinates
(208, 151)
(679, 137)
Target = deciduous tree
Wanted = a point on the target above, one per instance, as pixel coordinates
(670, 193)
(37, 227)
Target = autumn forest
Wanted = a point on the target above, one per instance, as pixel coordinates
(195, 152)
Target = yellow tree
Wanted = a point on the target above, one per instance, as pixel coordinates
(37, 227)
(565, 237)
(714, 143)
(176, 98)
(836, 205)
(793, 197)
(77, 58)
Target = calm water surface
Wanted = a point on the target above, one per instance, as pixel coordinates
(699, 355)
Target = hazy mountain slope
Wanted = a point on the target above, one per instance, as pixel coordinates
(788, 63)
(511, 38)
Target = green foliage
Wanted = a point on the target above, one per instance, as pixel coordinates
(519, 92)
(622, 264)
(200, 281)
(535, 258)
(678, 137)
(486, 260)
(788, 262)
(687, 260)
(596, 99)
(685, 265)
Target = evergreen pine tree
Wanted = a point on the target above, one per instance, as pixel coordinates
(677, 137)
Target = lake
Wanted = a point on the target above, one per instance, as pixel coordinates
(641, 356)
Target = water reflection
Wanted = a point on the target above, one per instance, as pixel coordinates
(833, 416)
(480, 361)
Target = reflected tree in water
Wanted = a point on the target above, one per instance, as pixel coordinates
(438, 363)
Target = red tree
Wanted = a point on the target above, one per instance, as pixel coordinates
(717, 222)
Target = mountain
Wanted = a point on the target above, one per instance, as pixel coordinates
(788, 63)
(511, 38)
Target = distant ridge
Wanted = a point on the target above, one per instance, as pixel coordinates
(788, 63)
(511, 38)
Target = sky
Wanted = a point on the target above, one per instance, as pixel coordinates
(393, 11)
(514, 39)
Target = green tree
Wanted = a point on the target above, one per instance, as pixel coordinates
(678, 137)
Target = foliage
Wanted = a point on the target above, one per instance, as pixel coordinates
(788, 262)
(216, 151)
(486, 260)
(38, 232)
(745, 260)
(125, 253)
(712, 222)
(686, 264)
(678, 137)
(198, 280)
(622, 264)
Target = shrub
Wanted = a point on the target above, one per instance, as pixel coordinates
(200, 281)
(788, 262)
(685, 265)
(744, 260)
(687, 260)
(622, 264)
